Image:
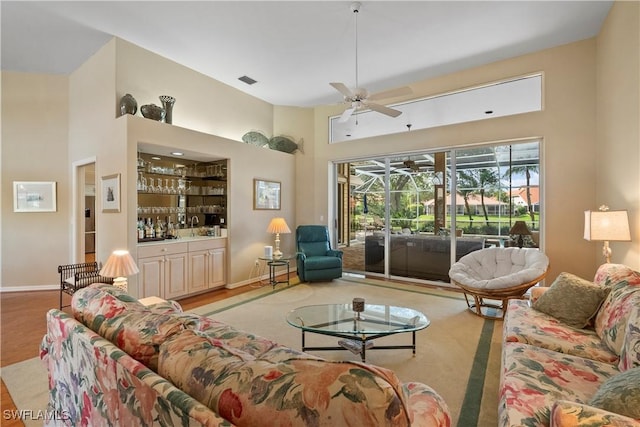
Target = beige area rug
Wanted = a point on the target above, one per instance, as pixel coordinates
(27, 384)
(458, 354)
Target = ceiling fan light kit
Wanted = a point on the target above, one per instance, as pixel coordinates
(359, 98)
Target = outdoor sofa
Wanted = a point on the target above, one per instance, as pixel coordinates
(421, 256)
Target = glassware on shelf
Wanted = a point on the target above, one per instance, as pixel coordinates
(142, 182)
(166, 189)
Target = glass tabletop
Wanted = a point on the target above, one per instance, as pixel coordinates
(341, 319)
(284, 257)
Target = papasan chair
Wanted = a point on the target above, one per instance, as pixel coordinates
(498, 274)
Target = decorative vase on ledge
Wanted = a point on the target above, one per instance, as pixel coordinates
(128, 105)
(167, 104)
(153, 112)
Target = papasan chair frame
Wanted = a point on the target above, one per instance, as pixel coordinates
(498, 274)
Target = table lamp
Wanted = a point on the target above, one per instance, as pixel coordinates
(605, 226)
(120, 265)
(277, 226)
(520, 229)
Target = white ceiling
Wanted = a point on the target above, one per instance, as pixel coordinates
(295, 48)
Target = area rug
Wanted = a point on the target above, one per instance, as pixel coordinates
(458, 354)
(27, 384)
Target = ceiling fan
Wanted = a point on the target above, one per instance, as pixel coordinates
(360, 98)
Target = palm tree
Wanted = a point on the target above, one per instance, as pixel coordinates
(477, 181)
(467, 185)
(526, 170)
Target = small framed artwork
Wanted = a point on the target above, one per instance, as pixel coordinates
(266, 194)
(110, 193)
(34, 196)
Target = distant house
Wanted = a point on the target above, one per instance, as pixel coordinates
(519, 197)
(493, 205)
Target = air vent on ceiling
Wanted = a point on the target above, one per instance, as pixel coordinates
(248, 80)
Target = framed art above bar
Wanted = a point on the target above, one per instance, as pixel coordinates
(110, 194)
(34, 196)
(266, 194)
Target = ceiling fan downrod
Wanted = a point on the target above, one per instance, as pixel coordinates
(355, 8)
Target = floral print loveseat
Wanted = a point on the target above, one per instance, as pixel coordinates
(554, 374)
(119, 362)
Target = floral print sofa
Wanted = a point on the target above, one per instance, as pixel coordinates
(118, 362)
(554, 374)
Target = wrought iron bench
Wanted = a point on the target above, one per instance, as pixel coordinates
(78, 276)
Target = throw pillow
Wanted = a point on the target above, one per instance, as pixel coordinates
(572, 300)
(620, 394)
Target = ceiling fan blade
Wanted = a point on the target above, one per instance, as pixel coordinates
(346, 114)
(382, 109)
(343, 89)
(392, 93)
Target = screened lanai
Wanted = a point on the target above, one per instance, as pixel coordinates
(433, 207)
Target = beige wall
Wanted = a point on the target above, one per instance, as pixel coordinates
(589, 125)
(567, 126)
(618, 133)
(247, 227)
(202, 104)
(205, 108)
(35, 114)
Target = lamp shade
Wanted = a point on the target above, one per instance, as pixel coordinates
(520, 228)
(119, 264)
(278, 225)
(606, 226)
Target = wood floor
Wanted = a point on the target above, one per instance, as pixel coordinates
(22, 326)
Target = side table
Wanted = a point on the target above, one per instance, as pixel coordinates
(273, 263)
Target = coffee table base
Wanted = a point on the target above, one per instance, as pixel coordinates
(359, 345)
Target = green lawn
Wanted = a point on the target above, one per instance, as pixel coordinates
(476, 226)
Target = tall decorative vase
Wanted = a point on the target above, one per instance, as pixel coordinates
(167, 104)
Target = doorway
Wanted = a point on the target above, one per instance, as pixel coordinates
(85, 212)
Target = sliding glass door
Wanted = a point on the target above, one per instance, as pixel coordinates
(411, 216)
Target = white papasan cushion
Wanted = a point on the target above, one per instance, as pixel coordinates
(499, 268)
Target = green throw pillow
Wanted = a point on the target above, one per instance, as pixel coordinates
(620, 394)
(572, 300)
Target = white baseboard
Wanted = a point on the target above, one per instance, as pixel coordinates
(29, 288)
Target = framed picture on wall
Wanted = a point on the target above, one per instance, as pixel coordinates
(266, 194)
(110, 194)
(34, 196)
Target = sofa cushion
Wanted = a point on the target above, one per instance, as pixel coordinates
(620, 394)
(140, 333)
(247, 391)
(572, 414)
(572, 300)
(534, 378)
(322, 262)
(630, 354)
(611, 321)
(120, 318)
(522, 324)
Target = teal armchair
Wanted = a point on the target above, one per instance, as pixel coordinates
(316, 260)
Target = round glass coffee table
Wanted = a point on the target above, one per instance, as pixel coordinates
(357, 330)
